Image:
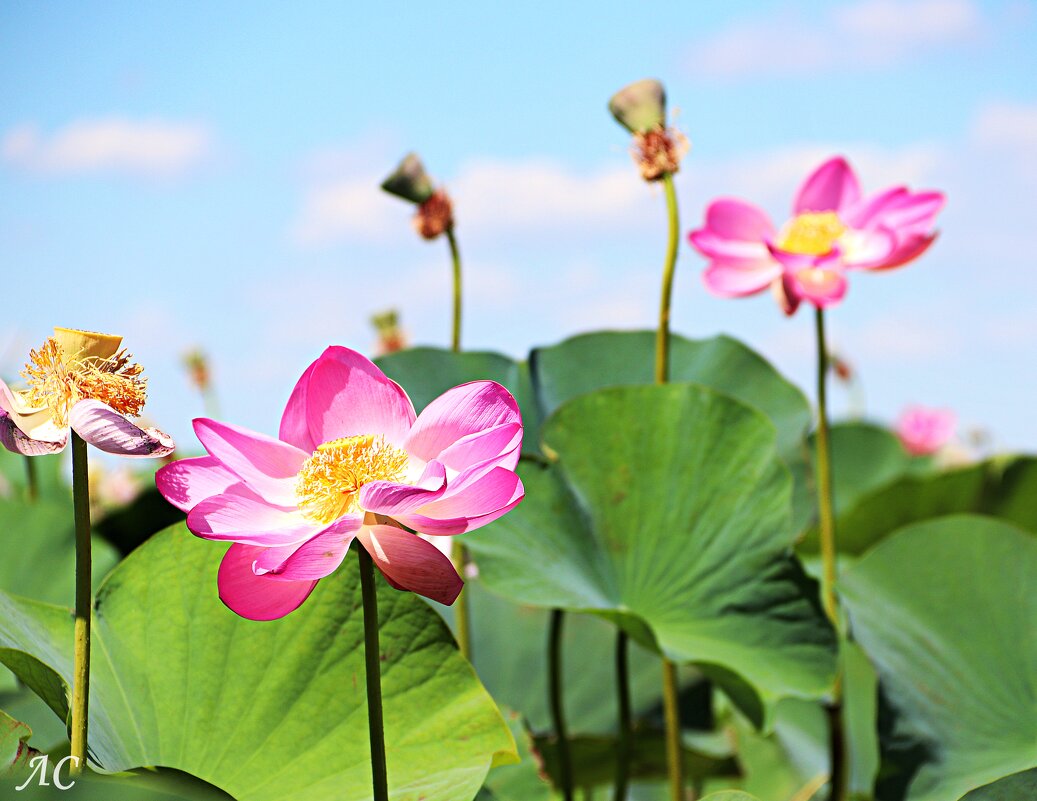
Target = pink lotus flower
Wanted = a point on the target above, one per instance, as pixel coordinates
(833, 229)
(83, 381)
(924, 431)
(351, 461)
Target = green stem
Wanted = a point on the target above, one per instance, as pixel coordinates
(662, 337)
(672, 712)
(824, 478)
(84, 600)
(625, 744)
(373, 664)
(556, 682)
(31, 479)
(838, 773)
(674, 762)
(455, 256)
(458, 554)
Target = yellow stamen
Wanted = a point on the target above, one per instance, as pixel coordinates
(812, 233)
(58, 380)
(329, 482)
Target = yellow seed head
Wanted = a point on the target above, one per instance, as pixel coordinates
(812, 233)
(58, 380)
(329, 482)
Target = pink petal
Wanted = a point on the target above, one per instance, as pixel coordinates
(729, 218)
(248, 520)
(347, 395)
(267, 465)
(733, 251)
(187, 482)
(391, 498)
(411, 563)
(867, 249)
(911, 212)
(923, 431)
(469, 409)
(316, 558)
(295, 426)
(16, 441)
(785, 294)
(909, 249)
(865, 211)
(822, 283)
(500, 445)
(111, 432)
(730, 280)
(472, 505)
(257, 597)
(831, 187)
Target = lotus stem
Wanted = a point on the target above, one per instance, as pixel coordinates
(838, 779)
(624, 744)
(373, 664)
(31, 479)
(662, 337)
(458, 553)
(455, 257)
(674, 762)
(84, 602)
(556, 681)
(672, 713)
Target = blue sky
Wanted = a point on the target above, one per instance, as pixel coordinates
(207, 175)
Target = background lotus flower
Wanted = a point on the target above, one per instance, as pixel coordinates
(351, 461)
(833, 229)
(83, 381)
(924, 431)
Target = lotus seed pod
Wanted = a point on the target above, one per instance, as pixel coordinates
(409, 181)
(641, 106)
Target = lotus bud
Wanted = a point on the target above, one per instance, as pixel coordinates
(640, 107)
(409, 181)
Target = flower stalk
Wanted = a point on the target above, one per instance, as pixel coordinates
(84, 602)
(625, 742)
(838, 773)
(372, 662)
(556, 681)
(32, 482)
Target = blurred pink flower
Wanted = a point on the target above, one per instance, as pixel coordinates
(351, 461)
(924, 431)
(82, 381)
(833, 229)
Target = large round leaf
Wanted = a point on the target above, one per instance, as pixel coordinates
(618, 358)
(947, 612)
(427, 373)
(38, 544)
(667, 511)
(997, 488)
(262, 710)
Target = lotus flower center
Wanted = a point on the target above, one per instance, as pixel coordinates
(812, 233)
(329, 482)
(58, 381)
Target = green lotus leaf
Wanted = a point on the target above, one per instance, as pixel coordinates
(261, 710)
(996, 488)
(946, 611)
(667, 512)
(618, 358)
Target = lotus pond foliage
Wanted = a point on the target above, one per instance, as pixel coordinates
(632, 565)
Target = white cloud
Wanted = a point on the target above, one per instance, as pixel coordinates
(115, 145)
(869, 33)
(1009, 129)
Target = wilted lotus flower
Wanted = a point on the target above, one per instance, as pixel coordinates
(352, 461)
(83, 381)
(641, 109)
(435, 213)
(924, 431)
(833, 229)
